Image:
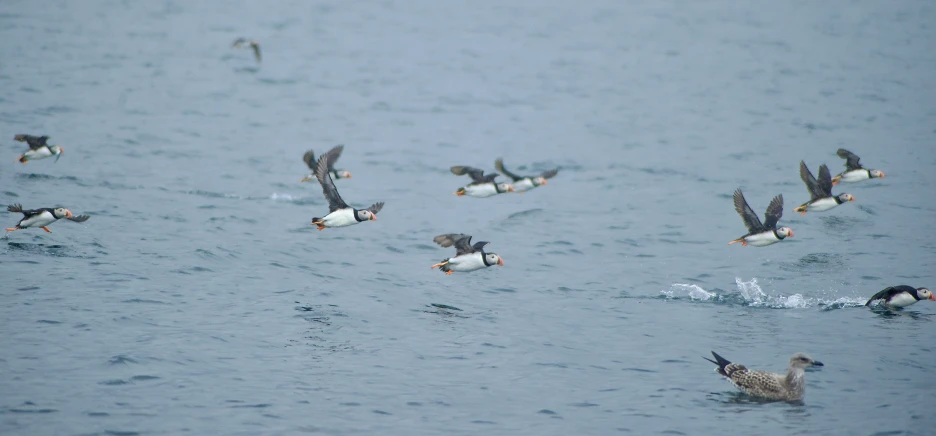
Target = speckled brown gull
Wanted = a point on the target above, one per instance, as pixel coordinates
(772, 386)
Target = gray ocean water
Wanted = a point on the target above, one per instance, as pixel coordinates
(198, 299)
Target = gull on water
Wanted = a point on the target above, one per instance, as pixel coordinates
(783, 387)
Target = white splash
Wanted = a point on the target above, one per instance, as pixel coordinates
(753, 295)
(284, 197)
(694, 292)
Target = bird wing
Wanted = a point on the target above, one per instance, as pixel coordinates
(336, 152)
(851, 159)
(79, 218)
(751, 221)
(811, 184)
(888, 292)
(479, 246)
(328, 186)
(376, 207)
(754, 382)
(825, 180)
(461, 241)
(256, 49)
(499, 165)
(238, 42)
(774, 212)
(18, 208)
(35, 142)
(309, 159)
(476, 175)
(550, 173)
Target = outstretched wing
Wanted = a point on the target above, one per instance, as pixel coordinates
(499, 165)
(18, 208)
(811, 184)
(476, 175)
(328, 186)
(309, 159)
(550, 174)
(747, 214)
(79, 218)
(774, 212)
(256, 49)
(478, 246)
(376, 207)
(462, 242)
(851, 159)
(35, 142)
(334, 154)
(825, 181)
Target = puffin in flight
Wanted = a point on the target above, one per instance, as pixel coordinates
(467, 257)
(525, 183)
(854, 172)
(243, 42)
(820, 191)
(481, 186)
(42, 217)
(38, 149)
(759, 234)
(339, 213)
(309, 159)
(901, 296)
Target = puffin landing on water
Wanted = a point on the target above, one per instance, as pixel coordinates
(481, 186)
(901, 296)
(309, 159)
(854, 172)
(467, 257)
(759, 234)
(243, 43)
(38, 149)
(42, 217)
(525, 183)
(339, 213)
(820, 191)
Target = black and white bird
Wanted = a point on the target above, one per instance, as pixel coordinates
(769, 385)
(309, 159)
(340, 214)
(481, 185)
(854, 172)
(759, 234)
(525, 183)
(820, 192)
(38, 148)
(467, 257)
(42, 217)
(901, 296)
(244, 43)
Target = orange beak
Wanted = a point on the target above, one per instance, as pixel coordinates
(932, 297)
(373, 217)
(500, 262)
(791, 234)
(882, 174)
(349, 176)
(851, 199)
(544, 182)
(510, 189)
(68, 213)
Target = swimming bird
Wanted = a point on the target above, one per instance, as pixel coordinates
(772, 386)
(467, 257)
(38, 148)
(820, 192)
(339, 213)
(854, 172)
(309, 159)
(759, 234)
(525, 183)
(481, 186)
(42, 217)
(901, 296)
(243, 42)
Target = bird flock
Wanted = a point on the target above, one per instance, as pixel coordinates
(789, 386)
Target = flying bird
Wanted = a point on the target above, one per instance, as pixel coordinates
(309, 159)
(854, 172)
(482, 185)
(42, 217)
(901, 296)
(339, 213)
(525, 183)
(772, 386)
(820, 192)
(467, 257)
(759, 234)
(38, 148)
(244, 43)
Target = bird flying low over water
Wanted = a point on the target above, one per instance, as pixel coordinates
(772, 386)
(854, 172)
(38, 148)
(901, 296)
(482, 185)
(339, 213)
(820, 192)
(759, 234)
(467, 257)
(244, 43)
(525, 183)
(42, 217)
(309, 159)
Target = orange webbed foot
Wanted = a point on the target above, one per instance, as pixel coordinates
(743, 244)
(448, 272)
(11, 229)
(803, 213)
(46, 229)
